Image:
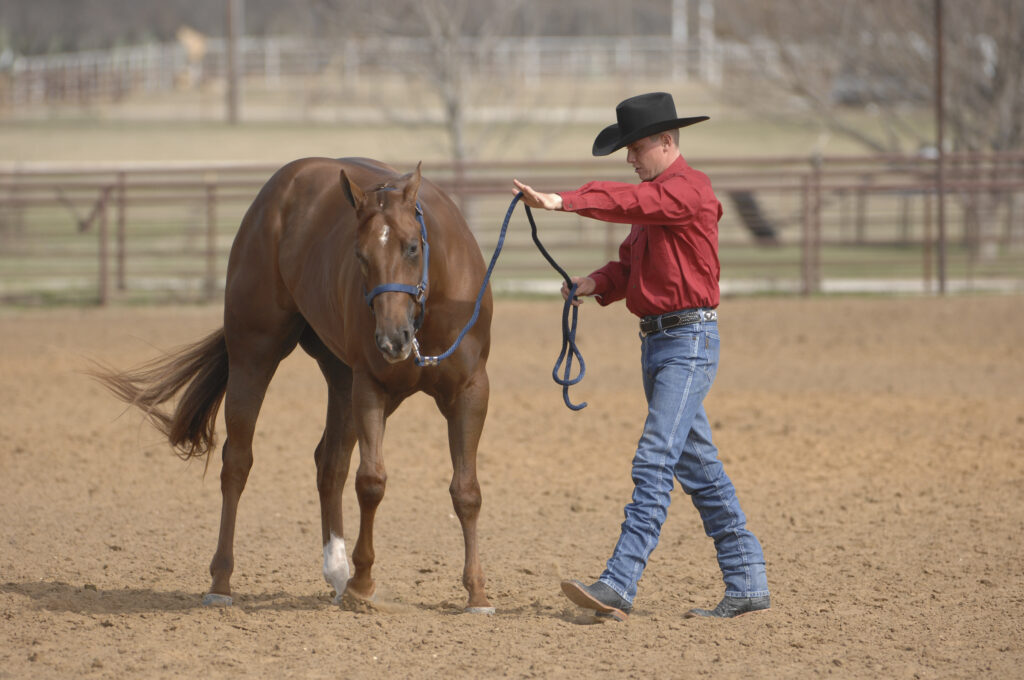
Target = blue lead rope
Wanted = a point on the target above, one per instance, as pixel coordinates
(435, 360)
(569, 349)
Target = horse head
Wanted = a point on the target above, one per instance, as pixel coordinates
(391, 250)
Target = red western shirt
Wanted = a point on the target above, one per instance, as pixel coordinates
(669, 261)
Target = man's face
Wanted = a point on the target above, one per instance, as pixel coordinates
(649, 156)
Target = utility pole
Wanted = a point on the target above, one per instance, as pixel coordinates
(707, 57)
(940, 158)
(680, 39)
(236, 26)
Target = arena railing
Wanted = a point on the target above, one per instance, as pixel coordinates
(158, 232)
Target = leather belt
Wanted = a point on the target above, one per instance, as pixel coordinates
(653, 324)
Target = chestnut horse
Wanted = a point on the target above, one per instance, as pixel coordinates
(332, 256)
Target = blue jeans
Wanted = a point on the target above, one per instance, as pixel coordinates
(679, 365)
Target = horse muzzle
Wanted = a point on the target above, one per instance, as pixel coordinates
(396, 344)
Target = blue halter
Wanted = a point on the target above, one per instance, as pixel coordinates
(418, 292)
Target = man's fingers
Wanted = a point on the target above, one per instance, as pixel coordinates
(577, 299)
(529, 195)
(536, 199)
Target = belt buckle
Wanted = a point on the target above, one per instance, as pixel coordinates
(655, 320)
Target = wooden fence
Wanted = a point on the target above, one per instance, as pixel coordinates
(162, 232)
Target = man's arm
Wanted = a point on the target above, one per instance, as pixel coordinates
(607, 283)
(663, 203)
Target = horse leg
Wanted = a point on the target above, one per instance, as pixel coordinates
(465, 414)
(253, 359)
(333, 455)
(369, 405)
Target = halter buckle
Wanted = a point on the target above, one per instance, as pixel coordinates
(420, 359)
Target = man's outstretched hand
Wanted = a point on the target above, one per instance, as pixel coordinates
(536, 199)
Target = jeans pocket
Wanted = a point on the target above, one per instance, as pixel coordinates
(684, 341)
(710, 345)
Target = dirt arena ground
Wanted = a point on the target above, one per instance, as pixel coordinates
(877, 445)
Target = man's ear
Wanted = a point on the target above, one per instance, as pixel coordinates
(355, 195)
(413, 185)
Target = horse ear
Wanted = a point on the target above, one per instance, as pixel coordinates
(355, 195)
(413, 185)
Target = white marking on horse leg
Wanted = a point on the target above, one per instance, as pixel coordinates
(385, 231)
(336, 565)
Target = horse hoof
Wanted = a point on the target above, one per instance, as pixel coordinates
(489, 611)
(356, 602)
(349, 597)
(217, 600)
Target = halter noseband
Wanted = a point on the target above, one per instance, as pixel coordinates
(418, 292)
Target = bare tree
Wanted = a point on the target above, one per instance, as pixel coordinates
(834, 59)
(447, 64)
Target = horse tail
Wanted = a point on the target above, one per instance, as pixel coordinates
(202, 367)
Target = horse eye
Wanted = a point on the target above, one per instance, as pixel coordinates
(412, 250)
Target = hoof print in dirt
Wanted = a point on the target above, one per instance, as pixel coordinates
(216, 600)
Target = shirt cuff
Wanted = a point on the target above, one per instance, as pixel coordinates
(570, 200)
(602, 283)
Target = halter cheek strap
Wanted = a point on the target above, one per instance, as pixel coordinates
(418, 292)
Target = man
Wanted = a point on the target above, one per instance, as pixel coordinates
(667, 273)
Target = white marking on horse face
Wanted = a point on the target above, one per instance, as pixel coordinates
(385, 232)
(336, 564)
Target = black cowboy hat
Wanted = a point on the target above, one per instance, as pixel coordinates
(640, 116)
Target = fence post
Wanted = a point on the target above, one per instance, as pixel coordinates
(811, 237)
(460, 183)
(927, 243)
(905, 216)
(211, 238)
(121, 235)
(104, 254)
(816, 224)
(1013, 240)
(862, 209)
(805, 238)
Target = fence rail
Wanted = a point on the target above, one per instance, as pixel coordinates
(158, 232)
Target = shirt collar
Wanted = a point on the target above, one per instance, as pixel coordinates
(677, 166)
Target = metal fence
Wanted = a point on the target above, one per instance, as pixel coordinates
(110, 75)
(151, 233)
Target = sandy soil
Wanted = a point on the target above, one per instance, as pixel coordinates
(877, 445)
